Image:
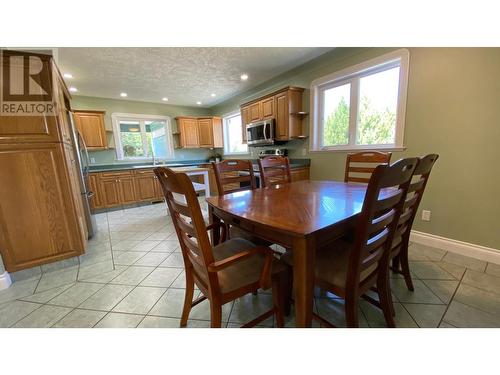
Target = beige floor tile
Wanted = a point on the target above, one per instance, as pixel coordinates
(44, 317)
(119, 320)
(478, 298)
(140, 300)
(75, 295)
(483, 281)
(454, 269)
(80, 319)
(170, 304)
(161, 277)
(57, 278)
(471, 263)
(96, 269)
(105, 277)
(418, 252)
(493, 269)
(173, 260)
(333, 311)
(180, 282)
(430, 270)
(446, 325)
(128, 258)
(465, 316)
(125, 244)
(250, 307)
(375, 316)
(145, 245)
(167, 246)
(107, 298)
(422, 293)
(444, 289)
(160, 322)
(44, 297)
(132, 275)
(151, 259)
(11, 312)
(426, 316)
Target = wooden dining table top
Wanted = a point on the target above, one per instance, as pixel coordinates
(299, 208)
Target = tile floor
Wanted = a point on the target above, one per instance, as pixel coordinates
(132, 276)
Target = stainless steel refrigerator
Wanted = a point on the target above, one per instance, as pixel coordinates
(83, 163)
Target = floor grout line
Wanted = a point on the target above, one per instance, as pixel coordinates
(451, 300)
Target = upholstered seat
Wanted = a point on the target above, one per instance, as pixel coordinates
(244, 272)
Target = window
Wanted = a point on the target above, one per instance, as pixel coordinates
(233, 143)
(361, 107)
(142, 136)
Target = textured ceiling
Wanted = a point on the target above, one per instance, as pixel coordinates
(183, 75)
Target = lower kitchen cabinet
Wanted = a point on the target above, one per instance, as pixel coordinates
(40, 219)
(147, 186)
(301, 173)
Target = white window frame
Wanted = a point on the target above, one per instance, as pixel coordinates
(352, 75)
(117, 117)
(225, 134)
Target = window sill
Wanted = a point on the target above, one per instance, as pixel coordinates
(327, 151)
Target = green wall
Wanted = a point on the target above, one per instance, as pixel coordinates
(126, 106)
(452, 109)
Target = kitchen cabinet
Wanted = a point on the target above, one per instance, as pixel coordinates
(200, 132)
(147, 186)
(245, 119)
(95, 199)
(301, 173)
(90, 124)
(41, 211)
(284, 105)
(117, 188)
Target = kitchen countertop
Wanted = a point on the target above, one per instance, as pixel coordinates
(294, 163)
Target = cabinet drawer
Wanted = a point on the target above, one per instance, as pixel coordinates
(143, 172)
(116, 174)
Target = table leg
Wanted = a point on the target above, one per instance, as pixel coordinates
(304, 253)
(214, 219)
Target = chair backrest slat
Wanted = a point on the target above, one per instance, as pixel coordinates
(274, 170)
(415, 193)
(231, 173)
(189, 224)
(377, 222)
(360, 166)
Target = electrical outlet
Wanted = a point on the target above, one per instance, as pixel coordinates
(426, 215)
(92, 160)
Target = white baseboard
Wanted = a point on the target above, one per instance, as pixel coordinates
(484, 253)
(5, 280)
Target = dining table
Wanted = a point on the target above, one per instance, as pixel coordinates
(301, 216)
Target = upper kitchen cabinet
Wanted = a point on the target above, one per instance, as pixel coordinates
(284, 105)
(200, 132)
(90, 124)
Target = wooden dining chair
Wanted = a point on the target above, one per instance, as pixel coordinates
(274, 170)
(399, 252)
(224, 272)
(359, 166)
(350, 269)
(233, 175)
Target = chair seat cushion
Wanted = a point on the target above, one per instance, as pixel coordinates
(244, 272)
(332, 263)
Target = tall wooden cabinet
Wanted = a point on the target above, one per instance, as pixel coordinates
(284, 105)
(41, 212)
(200, 132)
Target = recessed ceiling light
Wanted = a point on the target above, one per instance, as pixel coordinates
(213, 95)
(244, 77)
(199, 103)
(68, 75)
(165, 99)
(73, 89)
(123, 94)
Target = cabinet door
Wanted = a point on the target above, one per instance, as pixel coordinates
(268, 108)
(189, 133)
(158, 190)
(95, 199)
(217, 132)
(245, 119)
(205, 132)
(255, 112)
(110, 191)
(282, 116)
(91, 127)
(145, 186)
(127, 190)
(38, 222)
(298, 174)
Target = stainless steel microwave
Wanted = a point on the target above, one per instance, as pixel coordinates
(260, 133)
